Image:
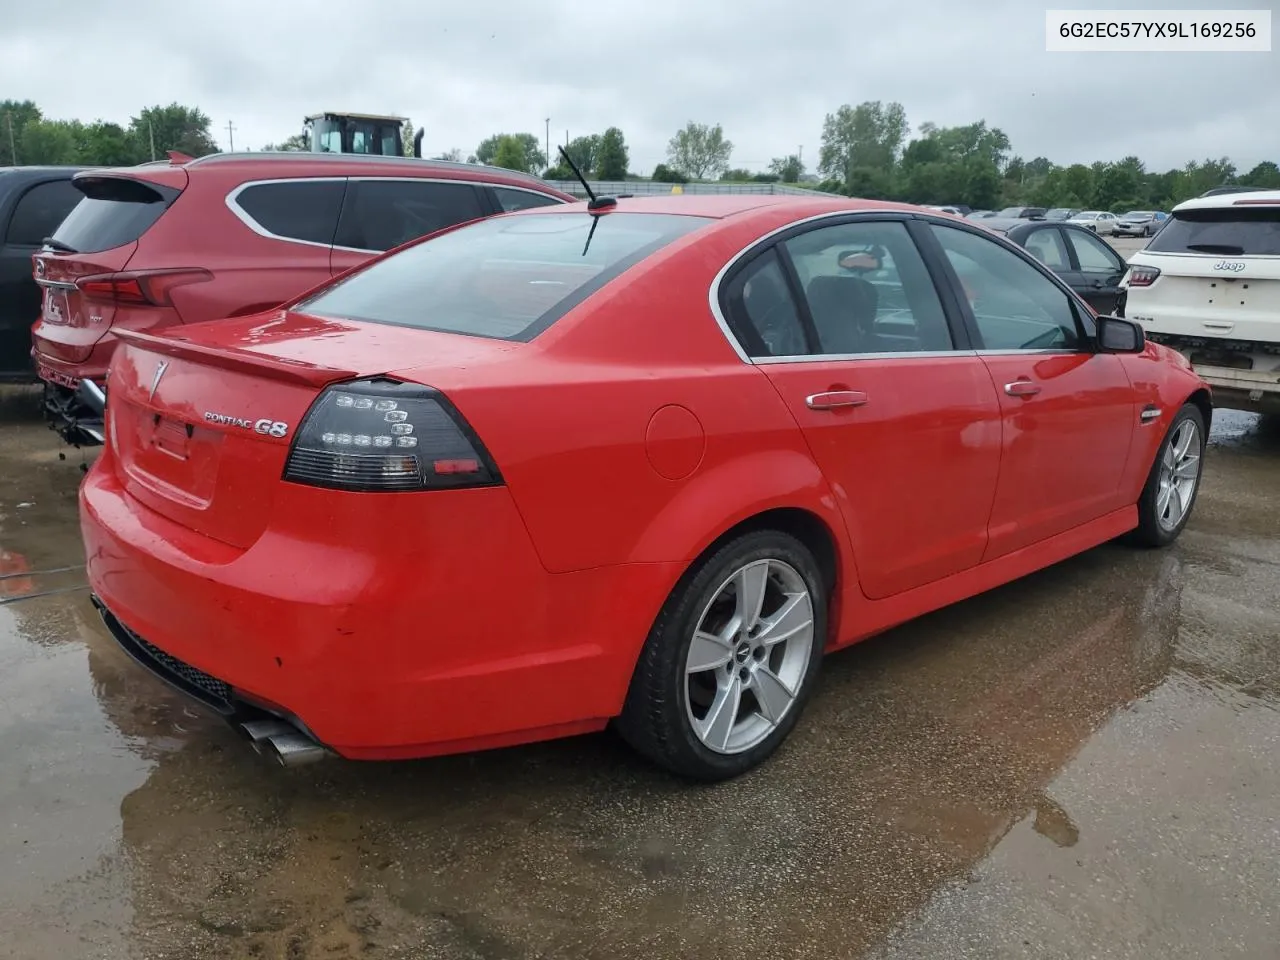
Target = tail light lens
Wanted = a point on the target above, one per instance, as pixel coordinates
(1143, 276)
(149, 288)
(385, 435)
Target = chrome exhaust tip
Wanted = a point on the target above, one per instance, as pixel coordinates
(92, 396)
(255, 731)
(291, 749)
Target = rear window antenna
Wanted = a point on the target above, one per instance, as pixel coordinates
(594, 203)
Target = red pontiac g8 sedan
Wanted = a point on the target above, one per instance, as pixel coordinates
(642, 461)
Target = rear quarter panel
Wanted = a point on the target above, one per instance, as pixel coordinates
(251, 272)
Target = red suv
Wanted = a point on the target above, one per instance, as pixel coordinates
(228, 235)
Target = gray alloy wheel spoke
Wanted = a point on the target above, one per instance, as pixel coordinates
(749, 655)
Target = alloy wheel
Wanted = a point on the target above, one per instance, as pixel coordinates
(1179, 475)
(748, 656)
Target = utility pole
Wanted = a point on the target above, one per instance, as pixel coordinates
(231, 139)
(13, 144)
(549, 142)
(151, 134)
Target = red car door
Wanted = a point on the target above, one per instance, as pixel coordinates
(1069, 413)
(846, 322)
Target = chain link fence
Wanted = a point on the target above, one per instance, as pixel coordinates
(650, 188)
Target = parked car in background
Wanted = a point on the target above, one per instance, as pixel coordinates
(33, 201)
(1138, 223)
(1060, 213)
(954, 211)
(1208, 285)
(1022, 213)
(370, 522)
(980, 214)
(227, 235)
(1088, 265)
(1099, 221)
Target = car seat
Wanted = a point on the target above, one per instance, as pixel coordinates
(844, 314)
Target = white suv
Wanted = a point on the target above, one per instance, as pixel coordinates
(1208, 285)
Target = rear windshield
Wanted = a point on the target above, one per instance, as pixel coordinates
(114, 211)
(1234, 231)
(507, 277)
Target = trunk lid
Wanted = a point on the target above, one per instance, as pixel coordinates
(97, 239)
(1232, 297)
(191, 410)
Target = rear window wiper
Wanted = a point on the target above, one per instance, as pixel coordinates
(59, 245)
(1226, 249)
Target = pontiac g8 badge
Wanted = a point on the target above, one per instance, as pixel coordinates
(272, 428)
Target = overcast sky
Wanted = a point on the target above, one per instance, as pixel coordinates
(768, 71)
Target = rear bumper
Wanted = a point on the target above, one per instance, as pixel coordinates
(387, 646)
(1254, 390)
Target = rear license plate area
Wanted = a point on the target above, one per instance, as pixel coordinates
(171, 437)
(56, 308)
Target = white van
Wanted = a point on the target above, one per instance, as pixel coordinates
(1208, 285)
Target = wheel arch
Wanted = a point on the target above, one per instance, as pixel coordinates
(835, 562)
(1204, 403)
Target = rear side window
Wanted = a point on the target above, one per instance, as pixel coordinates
(304, 210)
(114, 211)
(505, 277)
(510, 199)
(1231, 232)
(39, 211)
(381, 214)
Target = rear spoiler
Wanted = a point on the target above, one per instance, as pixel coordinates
(239, 361)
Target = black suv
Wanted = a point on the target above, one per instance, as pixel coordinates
(33, 202)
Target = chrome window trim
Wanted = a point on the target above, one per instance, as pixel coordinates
(887, 355)
(243, 216)
(713, 295)
(909, 354)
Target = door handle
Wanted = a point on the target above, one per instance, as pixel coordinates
(834, 399)
(1021, 388)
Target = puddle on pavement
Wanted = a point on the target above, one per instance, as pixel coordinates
(992, 772)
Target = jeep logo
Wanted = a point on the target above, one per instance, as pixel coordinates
(1235, 266)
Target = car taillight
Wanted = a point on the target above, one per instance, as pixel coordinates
(144, 288)
(385, 435)
(1143, 276)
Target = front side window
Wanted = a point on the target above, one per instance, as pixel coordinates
(1095, 257)
(1015, 306)
(868, 290)
(505, 277)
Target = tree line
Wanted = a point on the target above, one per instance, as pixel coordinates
(866, 150)
(28, 138)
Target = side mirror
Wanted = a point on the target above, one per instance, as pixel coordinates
(1118, 335)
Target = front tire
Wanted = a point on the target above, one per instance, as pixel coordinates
(731, 660)
(1174, 481)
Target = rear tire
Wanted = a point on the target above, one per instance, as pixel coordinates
(711, 710)
(1174, 481)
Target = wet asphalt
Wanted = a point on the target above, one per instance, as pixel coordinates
(1084, 764)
